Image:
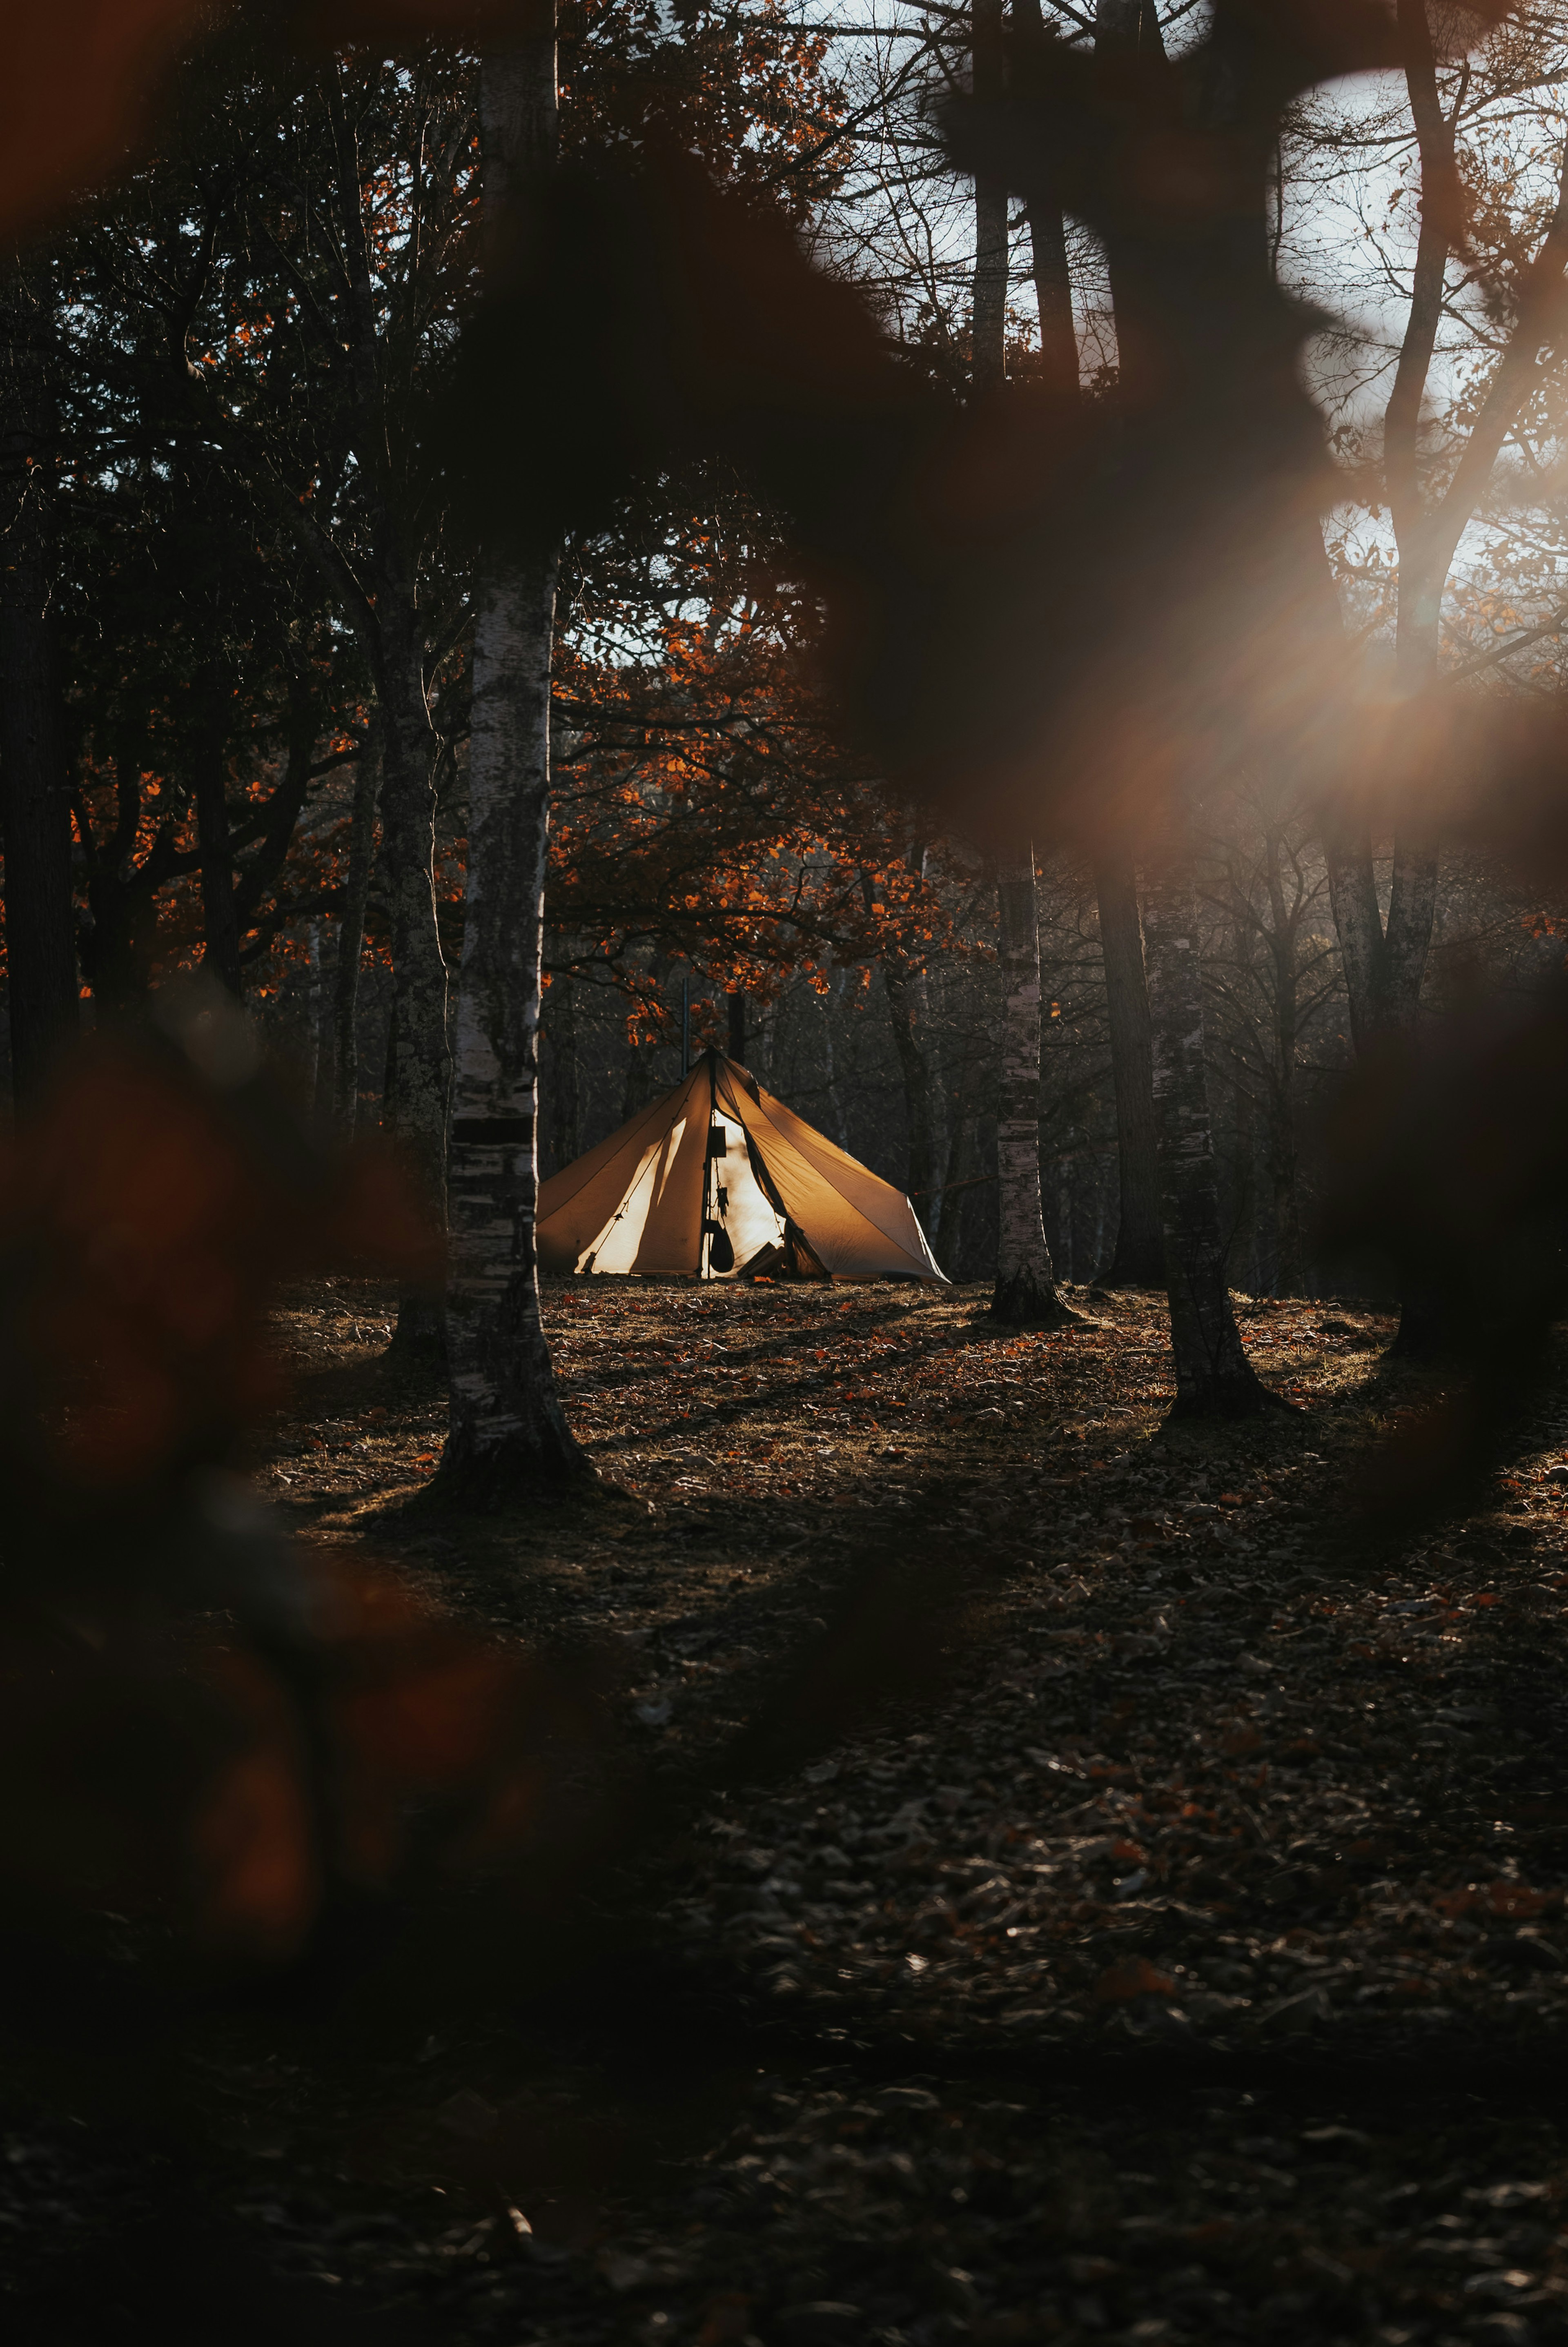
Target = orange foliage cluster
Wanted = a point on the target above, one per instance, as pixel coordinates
(707, 809)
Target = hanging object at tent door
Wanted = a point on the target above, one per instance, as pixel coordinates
(720, 1248)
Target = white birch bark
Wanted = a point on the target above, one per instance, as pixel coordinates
(508, 1435)
(1025, 1293)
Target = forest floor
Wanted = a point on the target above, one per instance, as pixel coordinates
(1187, 1961)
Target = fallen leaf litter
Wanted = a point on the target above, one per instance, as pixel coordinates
(1114, 1991)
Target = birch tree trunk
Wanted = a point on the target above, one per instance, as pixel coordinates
(1025, 1294)
(508, 1437)
(350, 938)
(40, 931)
(1213, 1376)
(1139, 1257)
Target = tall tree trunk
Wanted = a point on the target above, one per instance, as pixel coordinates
(1385, 962)
(1282, 1148)
(737, 1027)
(119, 932)
(310, 1057)
(40, 930)
(1139, 1258)
(1213, 1376)
(1249, 1247)
(908, 1009)
(209, 763)
(1025, 1294)
(351, 937)
(907, 1013)
(509, 1434)
(565, 1083)
(1063, 1166)
(1058, 361)
(416, 1101)
(836, 1125)
(989, 317)
(956, 1178)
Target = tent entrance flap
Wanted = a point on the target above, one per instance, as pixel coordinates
(741, 1221)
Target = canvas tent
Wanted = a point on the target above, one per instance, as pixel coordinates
(719, 1179)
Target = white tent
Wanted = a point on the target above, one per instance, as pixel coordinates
(719, 1179)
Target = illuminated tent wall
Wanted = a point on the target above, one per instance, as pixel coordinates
(719, 1178)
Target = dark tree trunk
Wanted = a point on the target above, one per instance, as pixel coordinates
(209, 763)
(950, 1206)
(508, 1439)
(1058, 361)
(906, 1012)
(389, 1066)
(1138, 1259)
(565, 1072)
(737, 1023)
(40, 939)
(1284, 925)
(989, 316)
(118, 933)
(350, 938)
(1213, 1376)
(1025, 1294)
(419, 1067)
(960, 1146)
(263, 867)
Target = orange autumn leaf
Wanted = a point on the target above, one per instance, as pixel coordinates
(1130, 1977)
